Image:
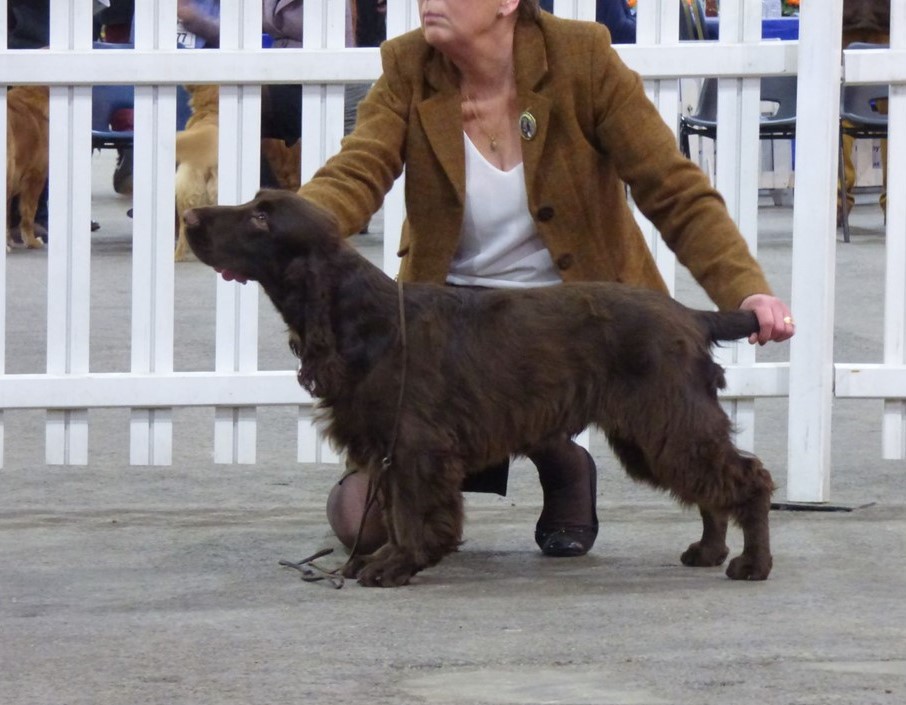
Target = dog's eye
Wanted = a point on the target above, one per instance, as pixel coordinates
(259, 219)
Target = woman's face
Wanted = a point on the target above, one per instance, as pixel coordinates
(448, 24)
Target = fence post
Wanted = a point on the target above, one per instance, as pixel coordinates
(402, 16)
(151, 430)
(3, 32)
(893, 430)
(658, 25)
(736, 152)
(69, 221)
(239, 164)
(814, 248)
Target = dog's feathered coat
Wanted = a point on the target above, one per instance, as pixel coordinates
(489, 374)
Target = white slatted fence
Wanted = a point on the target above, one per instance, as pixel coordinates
(152, 390)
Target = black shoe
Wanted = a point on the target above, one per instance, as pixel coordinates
(566, 542)
(562, 539)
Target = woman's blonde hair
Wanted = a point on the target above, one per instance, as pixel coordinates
(529, 10)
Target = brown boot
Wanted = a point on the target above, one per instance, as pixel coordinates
(568, 525)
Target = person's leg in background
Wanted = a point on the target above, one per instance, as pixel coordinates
(883, 199)
(846, 189)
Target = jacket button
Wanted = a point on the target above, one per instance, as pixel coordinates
(545, 213)
(565, 261)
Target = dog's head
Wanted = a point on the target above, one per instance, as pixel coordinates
(258, 240)
(203, 98)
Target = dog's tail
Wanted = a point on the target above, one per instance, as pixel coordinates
(728, 325)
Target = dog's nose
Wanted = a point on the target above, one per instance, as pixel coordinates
(191, 218)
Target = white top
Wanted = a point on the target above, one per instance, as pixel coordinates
(499, 246)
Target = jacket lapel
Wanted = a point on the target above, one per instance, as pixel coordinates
(441, 113)
(441, 118)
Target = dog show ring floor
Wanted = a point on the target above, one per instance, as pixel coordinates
(162, 585)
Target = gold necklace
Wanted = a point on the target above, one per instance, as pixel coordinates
(491, 138)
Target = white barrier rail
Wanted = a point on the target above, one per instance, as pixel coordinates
(235, 386)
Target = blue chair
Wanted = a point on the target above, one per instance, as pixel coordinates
(780, 91)
(105, 101)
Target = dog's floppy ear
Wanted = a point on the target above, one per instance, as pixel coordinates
(322, 369)
(303, 226)
(314, 217)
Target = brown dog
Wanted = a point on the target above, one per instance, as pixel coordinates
(471, 377)
(27, 135)
(196, 159)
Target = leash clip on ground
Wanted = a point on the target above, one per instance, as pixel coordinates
(313, 573)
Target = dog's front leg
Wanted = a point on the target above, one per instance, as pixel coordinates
(712, 549)
(424, 516)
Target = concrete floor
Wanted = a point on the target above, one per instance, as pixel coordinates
(161, 585)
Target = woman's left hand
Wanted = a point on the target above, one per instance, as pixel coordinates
(774, 317)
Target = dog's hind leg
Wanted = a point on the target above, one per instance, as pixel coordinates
(424, 516)
(28, 206)
(755, 562)
(698, 467)
(729, 484)
(712, 549)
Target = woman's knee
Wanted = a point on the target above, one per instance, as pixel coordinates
(346, 505)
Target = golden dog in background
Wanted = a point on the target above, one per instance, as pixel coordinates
(196, 159)
(27, 135)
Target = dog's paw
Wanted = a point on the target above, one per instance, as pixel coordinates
(353, 566)
(381, 575)
(701, 555)
(747, 567)
(388, 567)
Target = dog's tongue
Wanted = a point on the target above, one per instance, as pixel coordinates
(231, 276)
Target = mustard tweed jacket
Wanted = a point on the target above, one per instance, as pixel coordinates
(596, 131)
